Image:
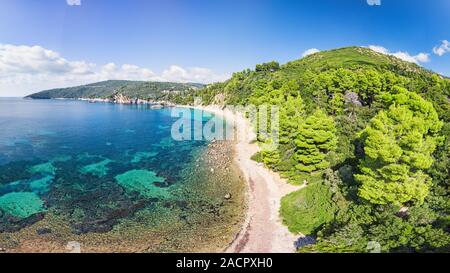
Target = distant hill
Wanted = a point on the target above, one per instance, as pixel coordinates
(131, 89)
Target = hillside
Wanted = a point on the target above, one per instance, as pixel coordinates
(358, 66)
(131, 89)
(368, 130)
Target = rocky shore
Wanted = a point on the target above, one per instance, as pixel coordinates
(121, 99)
(262, 230)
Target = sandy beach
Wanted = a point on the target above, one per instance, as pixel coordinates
(262, 230)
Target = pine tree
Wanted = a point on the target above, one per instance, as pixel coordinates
(316, 138)
(398, 146)
(291, 115)
(270, 154)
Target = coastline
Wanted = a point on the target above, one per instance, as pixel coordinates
(197, 216)
(262, 230)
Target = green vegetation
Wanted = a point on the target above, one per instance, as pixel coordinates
(130, 89)
(271, 66)
(369, 133)
(398, 147)
(307, 209)
(316, 138)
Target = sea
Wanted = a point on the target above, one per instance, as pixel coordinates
(103, 177)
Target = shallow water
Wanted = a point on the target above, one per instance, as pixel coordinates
(104, 174)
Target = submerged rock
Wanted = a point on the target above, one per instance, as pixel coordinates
(98, 169)
(42, 185)
(143, 182)
(61, 158)
(165, 143)
(106, 220)
(45, 168)
(43, 231)
(139, 156)
(21, 204)
(157, 106)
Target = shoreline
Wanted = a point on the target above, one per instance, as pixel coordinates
(262, 230)
(195, 217)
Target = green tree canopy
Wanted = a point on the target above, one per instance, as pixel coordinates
(398, 146)
(270, 153)
(269, 67)
(316, 137)
(291, 111)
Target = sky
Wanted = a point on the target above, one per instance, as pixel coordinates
(59, 43)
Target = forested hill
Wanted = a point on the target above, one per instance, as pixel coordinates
(130, 89)
(324, 78)
(370, 135)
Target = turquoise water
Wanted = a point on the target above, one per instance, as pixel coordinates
(93, 165)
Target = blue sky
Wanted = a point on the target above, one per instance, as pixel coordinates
(200, 39)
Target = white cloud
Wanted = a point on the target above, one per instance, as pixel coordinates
(35, 59)
(403, 55)
(379, 49)
(310, 52)
(27, 69)
(442, 49)
(73, 2)
(194, 74)
(422, 57)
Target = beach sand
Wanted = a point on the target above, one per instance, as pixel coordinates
(263, 230)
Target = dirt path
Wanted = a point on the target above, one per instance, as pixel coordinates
(263, 230)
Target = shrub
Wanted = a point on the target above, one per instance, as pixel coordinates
(306, 210)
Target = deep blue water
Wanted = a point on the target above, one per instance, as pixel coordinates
(41, 129)
(95, 164)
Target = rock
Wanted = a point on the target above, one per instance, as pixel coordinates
(304, 241)
(121, 99)
(43, 231)
(157, 106)
(403, 212)
(352, 98)
(212, 170)
(227, 196)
